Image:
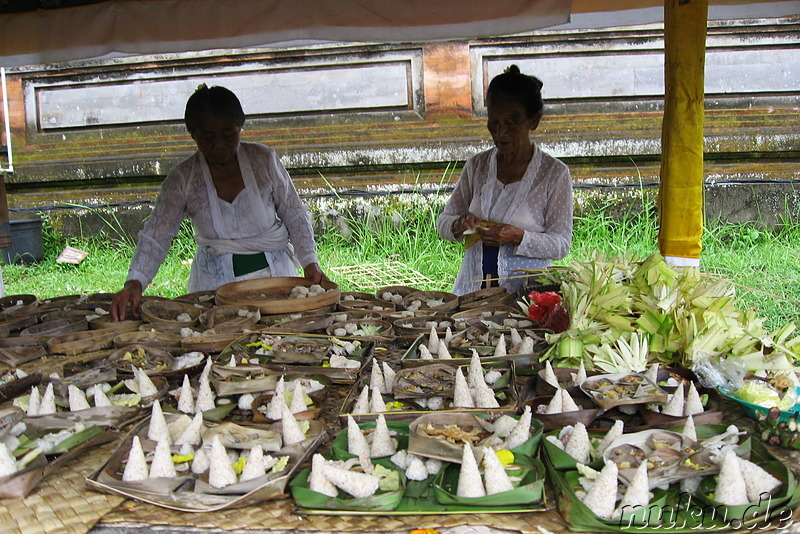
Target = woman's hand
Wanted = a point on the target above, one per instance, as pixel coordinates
(464, 222)
(501, 234)
(313, 273)
(131, 293)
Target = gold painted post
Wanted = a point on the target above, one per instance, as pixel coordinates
(680, 199)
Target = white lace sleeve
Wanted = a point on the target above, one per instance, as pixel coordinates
(554, 242)
(458, 204)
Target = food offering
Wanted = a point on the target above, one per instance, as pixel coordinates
(366, 329)
(549, 379)
(279, 295)
(31, 450)
(683, 402)
(16, 350)
(373, 470)
(408, 393)
(408, 329)
(560, 409)
(639, 476)
(339, 358)
(433, 301)
(622, 389)
(170, 312)
(179, 462)
(153, 361)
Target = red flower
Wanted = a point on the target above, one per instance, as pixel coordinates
(547, 310)
(536, 313)
(547, 299)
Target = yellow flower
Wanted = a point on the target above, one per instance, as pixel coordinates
(181, 458)
(238, 465)
(505, 456)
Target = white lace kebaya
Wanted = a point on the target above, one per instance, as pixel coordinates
(266, 216)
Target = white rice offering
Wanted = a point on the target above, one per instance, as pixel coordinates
(162, 465)
(444, 353)
(192, 434)
(433, 466)
(205, 374)
(376, 403)
(145, 386)
(376, 378)
(362, 402)
(613, 433)
(298, 403)
(652, 373)
(48, 403)
(435, 403)
(200, 462)
(601, 498)
(675, 404)
(475, 372)
(503, 426)
(550, 375)
(276, 404)
(424, 353)
(136, 467)
(290, 430)
(254, 467)
(8, 465)
(556, 403)
(469, 478)
(232, 361)
(567, 402)
(220, 470)
(245, 402)
(521, 431)
(158, 431)
(205, 396)
(382, 443)
(340, 362)
(760, 484)
(462, 396)
(186, 397)
(433, 341)
(100, 398)
(356, 442)
(693, 404)
(484, 397)
(357, 484)
(448, 336)
(34, 402)
(495, 478)
(317, 481)
(500, 349)
(579, 377)
(416, 469)
(638, 492)
(689, 429)
(77, 399)
(527, 346)
(731, 488)
(388, 376)
(401, 458)
(516, 339)
(578, 445)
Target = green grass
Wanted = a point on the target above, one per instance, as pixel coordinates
(765, 263)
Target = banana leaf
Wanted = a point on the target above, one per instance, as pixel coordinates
(529, 490)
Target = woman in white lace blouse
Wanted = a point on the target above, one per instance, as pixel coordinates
(248, 219)
(515, 198)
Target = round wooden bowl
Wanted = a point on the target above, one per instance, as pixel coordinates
(271, 295)
(449, 301)
(57, 327)
(400, 291)
(307, 324)
(80, 342)
(16, 304)
(385, 333)
(356, 295)
(150, 339)
(168, 311)
(204, 299)
(380, 306)
(14, 323)
(106, 322)
(151, 360)
(233, 314)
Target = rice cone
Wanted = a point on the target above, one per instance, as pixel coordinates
(424, 353)
(162, 465)
(232, 361)
(638, 492)
(448, 335)
(290, 430)
(8, 465)
(205, 396)
(356, 442)
(77, 399)
(136, 466)
(462, 396)
(521, 431)
(201, 461)
(556, 403)
(433, 341)
(100, 398)
(317, 481)
(495, 478)
(254, 467)
(500, 349)
(205, 374)
(469, 478)
(34, 402)
(192, 434)
(158, 431)
(675, 404)
(382, 444)
(220, 470)
(731, 488)
(48, 402)
(388, 377)
(376, 403)
(357, 484)
(580, 376)
(362, 402)
(298, 398)
(601, 498)
(578, 445)
(652, 373)
(516, 339)
(759, 483)
(145, 385)
(693, 404)
(689, 429)
(444, 352)
(376, 378)
(550, 375)
(475, 371)
(416, 470)
(484, 397)
(527, 345)
(567, 402)
(613, 433)
(186, 397)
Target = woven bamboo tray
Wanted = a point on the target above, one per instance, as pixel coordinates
(80, 342)
(271, 295)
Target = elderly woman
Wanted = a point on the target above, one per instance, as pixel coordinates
(514, 200)
(248, 218)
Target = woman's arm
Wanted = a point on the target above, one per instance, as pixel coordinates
(455, 218)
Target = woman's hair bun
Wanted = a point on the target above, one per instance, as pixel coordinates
(511, 69)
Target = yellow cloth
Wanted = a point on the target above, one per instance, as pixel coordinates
(680, 200)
